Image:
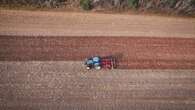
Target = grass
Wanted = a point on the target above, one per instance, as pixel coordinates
(172, 3)
(193, 2)
(86, 4)
(133, 3)
(149, 12)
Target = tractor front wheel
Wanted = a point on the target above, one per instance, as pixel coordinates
(88, 68)
(97, 67)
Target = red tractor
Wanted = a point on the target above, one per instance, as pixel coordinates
(100, 63)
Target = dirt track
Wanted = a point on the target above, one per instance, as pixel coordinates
(58, 85)
(140, 53)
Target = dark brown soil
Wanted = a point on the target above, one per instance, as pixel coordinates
(131, 52)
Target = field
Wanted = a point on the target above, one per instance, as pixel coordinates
(42, 54)
(62, 85)
(43, 23)
(131, 52)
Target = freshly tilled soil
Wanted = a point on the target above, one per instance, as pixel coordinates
(130, 52)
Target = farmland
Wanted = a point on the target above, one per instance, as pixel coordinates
(42, 54)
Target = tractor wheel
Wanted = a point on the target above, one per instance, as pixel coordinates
(88, 68)
(97, 67)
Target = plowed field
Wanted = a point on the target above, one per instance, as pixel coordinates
(130, 52)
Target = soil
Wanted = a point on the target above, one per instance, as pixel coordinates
(44, 23)
(42, 54)
(130, 52)
(58, 85)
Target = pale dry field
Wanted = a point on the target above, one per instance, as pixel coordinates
(91, 24)
(52, 85)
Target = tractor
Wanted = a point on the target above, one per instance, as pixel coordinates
(98, 63)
